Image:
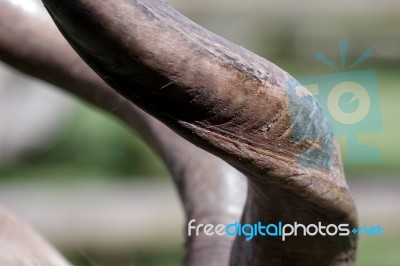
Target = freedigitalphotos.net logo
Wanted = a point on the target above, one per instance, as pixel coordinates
(280, 229)
(349, 99)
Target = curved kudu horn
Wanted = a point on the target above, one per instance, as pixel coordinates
(227, 101)
(232, 103)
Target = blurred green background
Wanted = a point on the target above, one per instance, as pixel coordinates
(92, 145)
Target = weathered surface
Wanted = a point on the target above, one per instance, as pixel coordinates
(229, 102)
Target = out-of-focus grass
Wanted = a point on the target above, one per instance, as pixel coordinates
(383, 251)
(166, 257)
(92, 144)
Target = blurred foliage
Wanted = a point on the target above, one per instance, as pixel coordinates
(91, 145)
(379, 251)
(165, 257)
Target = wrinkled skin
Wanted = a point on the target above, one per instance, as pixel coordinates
(216, 95)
